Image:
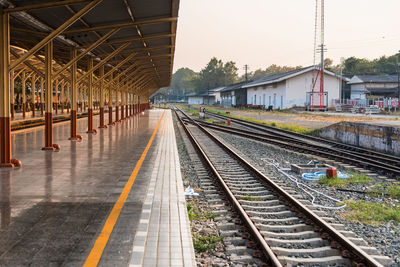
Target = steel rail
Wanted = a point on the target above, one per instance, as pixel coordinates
(269, 254)
(299, 145)
(300, 208)
(259, 126)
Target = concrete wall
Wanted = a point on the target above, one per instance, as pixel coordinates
(297, 87)
(217, 96)
(195, 100)
(268, 95)
(376, 137)
(357, 91)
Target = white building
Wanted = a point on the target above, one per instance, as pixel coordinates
(376, 85)
(217, 93)
(211, 97)
(290, 89)
(201, 99)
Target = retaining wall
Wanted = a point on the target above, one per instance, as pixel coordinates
(377, 137)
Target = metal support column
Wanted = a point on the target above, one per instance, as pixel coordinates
(74, 98)
(12, 80)
(58, 82)
(116, 106)
(41, 96)
(130, 104)
(23, 81)
(33, 87)
(101, 74)
(126, 105)
(37, 104)
(90, 98)
(64, 85)
(68, 98)
(48, 132)
(110, 103)
(122, 105)
(5, 120)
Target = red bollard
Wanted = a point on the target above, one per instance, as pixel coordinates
(229, 122)
(331, 172)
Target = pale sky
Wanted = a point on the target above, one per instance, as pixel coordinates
(264, 32)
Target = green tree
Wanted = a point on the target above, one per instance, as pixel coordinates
(181, 84)
(271, 70)
(215, 74)
(362, 66)
(181, 81)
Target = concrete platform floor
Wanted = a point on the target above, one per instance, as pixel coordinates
(53, 209)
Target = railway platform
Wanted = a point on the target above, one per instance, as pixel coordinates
(113, 199)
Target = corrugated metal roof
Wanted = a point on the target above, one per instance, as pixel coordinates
(286, 75)
(154, 42)
(234, 86)
(375, 79)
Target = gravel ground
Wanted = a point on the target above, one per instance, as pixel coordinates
(386, 238)
(311, 120)
(217, 256)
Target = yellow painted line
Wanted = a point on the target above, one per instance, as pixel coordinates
(101, 242)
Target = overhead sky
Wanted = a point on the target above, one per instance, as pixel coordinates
(264, 32)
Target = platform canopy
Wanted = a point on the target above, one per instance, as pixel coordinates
(133, 39)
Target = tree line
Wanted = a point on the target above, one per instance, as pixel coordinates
(217, 73)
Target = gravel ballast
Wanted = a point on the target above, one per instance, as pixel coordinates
(386, 237)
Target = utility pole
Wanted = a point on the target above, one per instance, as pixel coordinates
(341, 81)
(246, 68)
(398, 76)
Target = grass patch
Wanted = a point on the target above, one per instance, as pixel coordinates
(371, 212)
(205, 243)
(288, 127)
(196, 215)
(385, 189)
(251, 198)
(393, 190)
(337, 182)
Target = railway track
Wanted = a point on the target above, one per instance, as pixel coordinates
(285, 230)
(236, 250)
(381, 163)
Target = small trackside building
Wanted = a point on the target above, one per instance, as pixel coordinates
(373, 85)
(234, 95)
(201, 99)
(290, 89)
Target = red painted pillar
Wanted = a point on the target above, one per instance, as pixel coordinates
(33, 109)
(23, 110)
(90, 121)
(116, 113)
(12, 110)
(5, 142)
(102, 118)
(110, 112)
